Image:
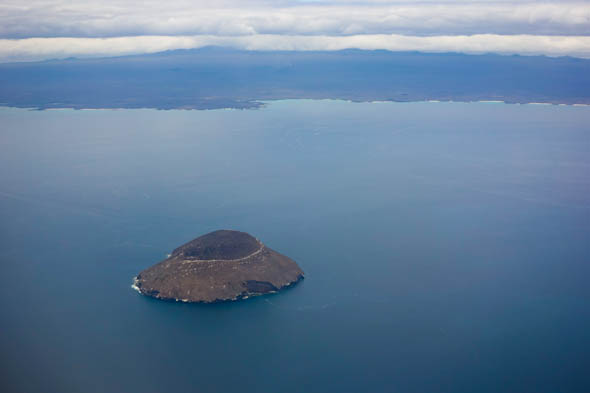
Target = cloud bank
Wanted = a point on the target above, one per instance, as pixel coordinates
(58, 18)
(39, 29)
(44, 48)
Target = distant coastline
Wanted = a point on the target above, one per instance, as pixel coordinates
(216, 78)
(263, 104)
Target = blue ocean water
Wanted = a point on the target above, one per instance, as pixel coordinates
(446, 247)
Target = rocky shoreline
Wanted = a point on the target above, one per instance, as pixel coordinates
(241, 296)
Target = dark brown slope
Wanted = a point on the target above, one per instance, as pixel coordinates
(219, 266)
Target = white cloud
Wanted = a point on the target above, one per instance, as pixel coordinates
(42, 48)
(110, 18)
(37, 29)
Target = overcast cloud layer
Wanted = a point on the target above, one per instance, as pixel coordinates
(79, 28)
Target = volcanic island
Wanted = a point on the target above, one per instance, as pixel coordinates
(220, 266)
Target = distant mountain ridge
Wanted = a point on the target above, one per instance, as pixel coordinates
(214, 77)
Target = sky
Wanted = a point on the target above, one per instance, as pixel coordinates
(42, 29)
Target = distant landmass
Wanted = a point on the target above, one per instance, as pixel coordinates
(209, 78)
(219, 266)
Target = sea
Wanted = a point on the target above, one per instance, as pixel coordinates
(445, 245)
